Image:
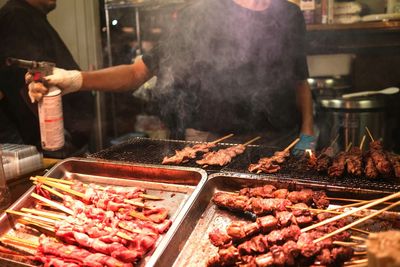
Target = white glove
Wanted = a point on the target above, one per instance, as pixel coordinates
(68, 81)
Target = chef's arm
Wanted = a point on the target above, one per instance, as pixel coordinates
(305, 106)
(118, 78)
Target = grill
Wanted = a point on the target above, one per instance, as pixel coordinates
(152, 151)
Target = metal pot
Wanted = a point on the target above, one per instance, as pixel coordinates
(347, 120)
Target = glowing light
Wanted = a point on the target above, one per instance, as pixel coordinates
(114, 22)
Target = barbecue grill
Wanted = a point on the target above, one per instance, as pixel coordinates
(152, 151)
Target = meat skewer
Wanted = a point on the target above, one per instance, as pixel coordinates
(270, 164)
(354, 160)
(370, 170)
(224, 156)
(380, 159)
(187, 153)
(324, 159)
(395, 160)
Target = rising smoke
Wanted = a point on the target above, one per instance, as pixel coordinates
(219, 54)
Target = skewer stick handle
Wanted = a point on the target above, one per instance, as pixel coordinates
(51, 190)
(292, 144)
(349, 146)
(31, 216)
(221, 139)
(334, 140)
(53, 204)
(366, 206)
(369, 133)
(357, 222)
(47, 214)
(362, 142)
(64, 188)
(251, 141)
(61, 181)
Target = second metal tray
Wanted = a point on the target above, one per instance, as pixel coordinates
(191, 247)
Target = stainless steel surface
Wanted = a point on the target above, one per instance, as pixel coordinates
(348, 119)
(350, 104)
(191, 247)
(178, 186)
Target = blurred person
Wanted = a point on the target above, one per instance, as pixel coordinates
(227, 66)
(27, 34)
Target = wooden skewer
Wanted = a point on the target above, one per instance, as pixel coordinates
(370, 135)
(357, 261)
(64, 188)
(362, 142)
(358, 238)
(61, 181)
(51, 190)
(358, 204)
(22, 241)
(334, 140)
(251, 141)
(31, 216)
(366, 206)
(357, 222)
(359, 253)
(344, 244)
(222, 139)
(150, 197)
(47, 214)
(349, 146)
(44, 181)
(53, 204)
(292, 144)
(360, 230)
(136, 204)
(345, 199)
(28, 222)
(321, 211)
(139, 215)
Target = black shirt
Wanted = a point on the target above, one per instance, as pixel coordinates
(27, 34)
(225, 68)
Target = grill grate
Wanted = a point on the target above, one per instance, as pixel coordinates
(152, 151)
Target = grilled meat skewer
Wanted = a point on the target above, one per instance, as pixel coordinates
(370, 170)
(187, 153)
(338, 166)
(381, 162)
(395, 160)
(354, 161)
(222, 156)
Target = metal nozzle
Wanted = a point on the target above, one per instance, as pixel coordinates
(21, 63)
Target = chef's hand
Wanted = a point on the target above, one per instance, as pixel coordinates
(306, 142)
(68, 81)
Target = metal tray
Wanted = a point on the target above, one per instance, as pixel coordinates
(191, 246)
(178, 186)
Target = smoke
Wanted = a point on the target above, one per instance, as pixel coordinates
(218, 54)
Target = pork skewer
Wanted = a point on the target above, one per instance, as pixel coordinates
(355, 160)
(187, 153)
(380, 159)
(224, 156)
(270, 164)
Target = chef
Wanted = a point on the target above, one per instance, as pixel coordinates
(227, 66)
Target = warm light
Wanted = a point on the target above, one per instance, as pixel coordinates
(309, 152)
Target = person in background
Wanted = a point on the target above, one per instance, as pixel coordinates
(228, 66)
(27, 34)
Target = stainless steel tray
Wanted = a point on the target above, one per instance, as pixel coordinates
(178, 186)
(191, 247)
